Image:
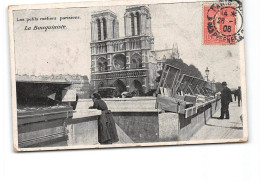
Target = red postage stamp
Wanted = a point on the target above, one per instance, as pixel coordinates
(222, 24)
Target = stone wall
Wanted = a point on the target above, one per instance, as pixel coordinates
(175, 127)
(136, 119)
(83, 128)
(140, 127)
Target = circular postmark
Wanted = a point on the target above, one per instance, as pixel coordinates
(225, 21)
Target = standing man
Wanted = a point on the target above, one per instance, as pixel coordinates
(226, 98)
(235, 95)
(239, 96)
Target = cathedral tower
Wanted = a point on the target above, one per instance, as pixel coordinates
(137, 21)
(104, 25)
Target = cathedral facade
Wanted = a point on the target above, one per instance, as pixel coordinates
(127, 63)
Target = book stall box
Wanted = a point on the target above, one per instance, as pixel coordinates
(42, 114)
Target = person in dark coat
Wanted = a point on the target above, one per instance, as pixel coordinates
(235, 95)
(239, 99)
(107, 133)
(226, 98)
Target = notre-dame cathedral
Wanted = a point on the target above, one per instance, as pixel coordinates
(128, 63)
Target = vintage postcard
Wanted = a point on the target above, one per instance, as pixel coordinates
(127, 73)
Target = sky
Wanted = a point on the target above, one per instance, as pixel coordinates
(67, 51)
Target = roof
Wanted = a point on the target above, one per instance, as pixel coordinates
(162, 54)
(45, 82)
(41, 79)
(103, 13)
(136, 7)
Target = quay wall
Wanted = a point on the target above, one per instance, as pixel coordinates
(136, 119)
(140, 122)
(175, 127)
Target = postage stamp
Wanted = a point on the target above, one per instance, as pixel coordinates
(223, 23)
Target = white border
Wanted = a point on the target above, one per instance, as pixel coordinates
(12, 8)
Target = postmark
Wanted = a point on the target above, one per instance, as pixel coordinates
(223, 23)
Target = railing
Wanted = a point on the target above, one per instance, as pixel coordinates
(120, 74)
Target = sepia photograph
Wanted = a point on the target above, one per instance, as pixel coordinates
(127, 74)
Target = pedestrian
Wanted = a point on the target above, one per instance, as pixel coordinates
(107, 133)
(239, 99)
(226, 98)
(235, 95)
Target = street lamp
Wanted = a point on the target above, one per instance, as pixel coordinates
(207, 73)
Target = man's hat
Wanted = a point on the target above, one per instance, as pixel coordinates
(224, 84)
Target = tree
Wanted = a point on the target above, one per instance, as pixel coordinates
(218, 87)
(185, 69)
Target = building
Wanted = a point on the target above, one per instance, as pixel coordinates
(80, 83)
(162, 55)
(128, 63)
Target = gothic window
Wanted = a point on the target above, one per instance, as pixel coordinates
(136, 61)
(133, 24)
(104, 28)
(102, 65)
(138, 23)
(99, 29)
(140, 64)
(114, 28)
(139, 44)
(121, 46)
(133, 44)
(105, 66)
(105, 48)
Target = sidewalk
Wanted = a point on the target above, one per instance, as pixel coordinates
(222, 129)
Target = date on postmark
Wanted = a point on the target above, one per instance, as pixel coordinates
(223, 23)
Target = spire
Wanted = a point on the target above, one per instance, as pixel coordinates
(175, 51)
